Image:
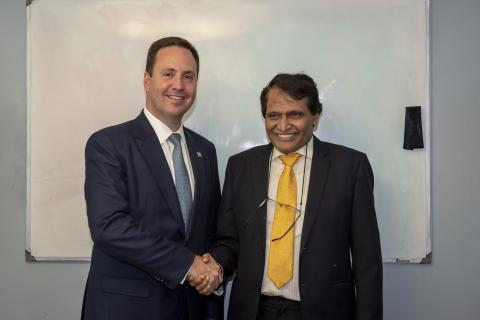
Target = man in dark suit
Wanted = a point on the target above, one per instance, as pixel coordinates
(152, 193)
(297, 222)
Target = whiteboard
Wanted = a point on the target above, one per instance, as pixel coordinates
(85, 68)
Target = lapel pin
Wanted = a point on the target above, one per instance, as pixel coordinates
(199, 154)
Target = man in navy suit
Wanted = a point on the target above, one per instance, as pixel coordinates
(152, 193)
(297, 222)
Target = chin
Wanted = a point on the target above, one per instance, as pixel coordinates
(179, 110)
(285, 148)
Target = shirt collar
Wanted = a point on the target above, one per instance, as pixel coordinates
(162, 131)
(277, 153)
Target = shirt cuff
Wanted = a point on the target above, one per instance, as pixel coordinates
(186, 274)
(219, 292)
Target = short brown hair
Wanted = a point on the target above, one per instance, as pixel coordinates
(168, 42)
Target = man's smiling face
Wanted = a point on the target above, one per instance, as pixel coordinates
(288, 122)
(170, 89)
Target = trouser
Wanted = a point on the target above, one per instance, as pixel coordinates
(278, 308)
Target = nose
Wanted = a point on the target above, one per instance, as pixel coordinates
(178, 83)
(283, 123)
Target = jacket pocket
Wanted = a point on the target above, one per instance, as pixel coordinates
(128, 287)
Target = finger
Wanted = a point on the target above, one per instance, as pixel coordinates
(216, 284)
(206, 291)
(199, 285)
(206, 257)
(213, 284)
(202, 286)
(196, 281)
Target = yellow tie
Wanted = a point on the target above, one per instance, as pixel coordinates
(280, 260)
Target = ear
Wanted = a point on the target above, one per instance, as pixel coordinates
(316, 118)
(146, 81)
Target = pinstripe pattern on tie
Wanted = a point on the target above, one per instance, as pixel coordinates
(182, 182)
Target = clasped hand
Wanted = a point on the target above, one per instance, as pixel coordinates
(205, 274)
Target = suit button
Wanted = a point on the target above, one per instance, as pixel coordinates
(304, 248)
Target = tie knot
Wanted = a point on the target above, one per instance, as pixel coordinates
(175, 139)
(290, 159)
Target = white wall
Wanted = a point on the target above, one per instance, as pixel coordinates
(446, 289)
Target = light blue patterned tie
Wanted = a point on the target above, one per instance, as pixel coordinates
(182, 182)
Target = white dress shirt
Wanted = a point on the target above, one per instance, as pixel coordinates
(163, 132)
(291, 289)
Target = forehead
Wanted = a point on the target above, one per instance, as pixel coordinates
(175, 57)
(279, 100)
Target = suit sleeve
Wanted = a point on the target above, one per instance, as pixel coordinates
(113, 228)
(226, 247)
(366, 252)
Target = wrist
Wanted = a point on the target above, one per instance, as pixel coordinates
(221, 270)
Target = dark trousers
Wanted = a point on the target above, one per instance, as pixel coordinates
(278, 308)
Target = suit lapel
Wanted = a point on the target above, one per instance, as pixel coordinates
(198, 167)
(260, 180)
(318, 180)
(152, 152)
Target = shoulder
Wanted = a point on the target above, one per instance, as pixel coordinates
(252, 159)
(252, 153)
(196, 137)
(338, 151)
(198, 140)
(344, 160)
(113, 134)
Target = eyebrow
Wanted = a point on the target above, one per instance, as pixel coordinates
(295, 111)
(175, 70)
(287, 113)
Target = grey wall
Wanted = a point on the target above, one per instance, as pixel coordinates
(446, 289)
(450, 287)
(27, 291)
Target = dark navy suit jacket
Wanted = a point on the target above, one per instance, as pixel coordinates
(340, 266)
(142, 249)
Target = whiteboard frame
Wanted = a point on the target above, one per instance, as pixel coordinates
(427, 138)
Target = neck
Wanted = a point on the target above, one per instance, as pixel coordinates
(173, 123)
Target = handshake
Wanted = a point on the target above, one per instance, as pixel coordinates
(205, 274)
